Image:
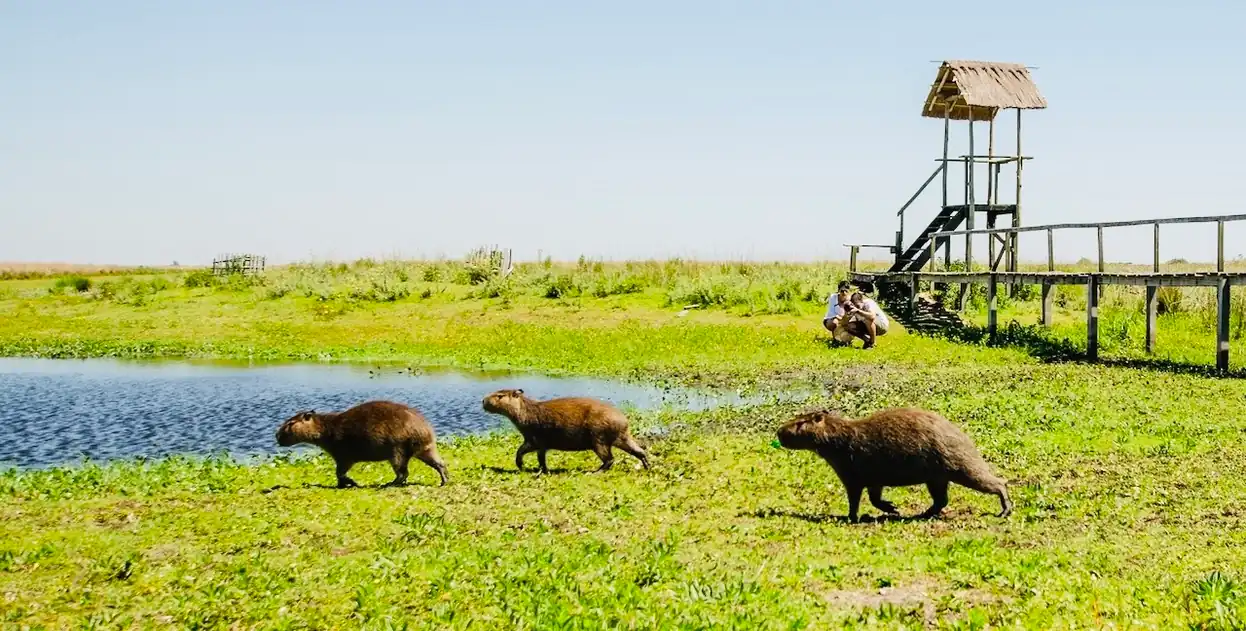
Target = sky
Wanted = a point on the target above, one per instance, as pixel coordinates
(153, 132)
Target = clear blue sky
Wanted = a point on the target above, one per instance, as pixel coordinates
(148, 132)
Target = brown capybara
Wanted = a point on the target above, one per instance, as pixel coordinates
(567, 424)
(895, 447)
(369, 432)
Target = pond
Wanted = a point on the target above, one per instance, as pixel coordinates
(57, 411)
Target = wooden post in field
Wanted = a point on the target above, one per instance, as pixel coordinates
(992, 314)
(913, 295)
(1051, 250)
(1092, 318)
(1220, 246)
(1152, 301)
(852, 257)
(1048, 300)
(1222, 324)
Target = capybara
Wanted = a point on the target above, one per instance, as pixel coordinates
(895, 447)
(567, 424)
(369, 432)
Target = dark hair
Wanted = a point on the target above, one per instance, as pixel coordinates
(844, 286)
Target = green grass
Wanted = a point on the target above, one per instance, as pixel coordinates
(1128, 481)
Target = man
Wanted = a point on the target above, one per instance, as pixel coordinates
(864, 319)
(835, 307)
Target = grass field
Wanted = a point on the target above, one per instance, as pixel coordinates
(1127, 477)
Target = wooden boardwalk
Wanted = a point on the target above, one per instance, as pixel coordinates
(1222, 281)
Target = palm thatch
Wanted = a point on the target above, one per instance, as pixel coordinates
(981, 89)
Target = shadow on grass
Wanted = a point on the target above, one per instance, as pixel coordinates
(529, 471)
(770, 513)
(362, 487)
(1041, 344)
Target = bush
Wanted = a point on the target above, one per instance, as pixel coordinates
(80, 284)
(199, 278)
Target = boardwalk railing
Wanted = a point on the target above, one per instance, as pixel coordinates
(1050, 229)
(1153, 280)
(245, 264)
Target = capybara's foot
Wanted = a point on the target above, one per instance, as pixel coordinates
(887, 507)
(346, 483)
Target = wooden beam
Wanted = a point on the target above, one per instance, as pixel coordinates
(1223, 312)
(992, 314)
(1152, 316)
(1048, 303)
(1092, 318)
(1220, 246)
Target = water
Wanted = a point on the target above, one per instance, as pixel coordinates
(55, 411)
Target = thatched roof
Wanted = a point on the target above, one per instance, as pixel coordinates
(983, 87)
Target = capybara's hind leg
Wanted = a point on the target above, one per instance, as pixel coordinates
(398, 460)
(524, 450)
(629, 445)
(938, 497)
(540, 460)
(990, 485)
(607, 457)
(431, 458)
(343, 466)
(876, 498)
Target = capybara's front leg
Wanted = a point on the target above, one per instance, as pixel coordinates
(343, 481)
(524, 450)
(854, 500)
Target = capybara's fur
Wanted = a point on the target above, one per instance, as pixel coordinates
(369, 432)
(567, 424)
(895, 447)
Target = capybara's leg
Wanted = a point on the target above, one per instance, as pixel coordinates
(876, 498)
(524, 450)
(990, 485)
(540, 460)
(938, 497)
(629, 445)
(854, 500)
(607, 457)
(431, 458)
(343, 466)
(398, 460)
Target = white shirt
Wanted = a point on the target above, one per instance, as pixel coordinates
(879, 316)
(832, 307)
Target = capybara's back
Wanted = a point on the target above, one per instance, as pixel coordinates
(565, 424)
(904, 446)
(374, 427)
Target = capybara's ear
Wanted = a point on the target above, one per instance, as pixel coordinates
(519, 391)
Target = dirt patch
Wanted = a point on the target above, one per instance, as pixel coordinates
(927, 597)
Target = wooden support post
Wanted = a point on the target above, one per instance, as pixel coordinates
(1092, 318)
(933, 241)
(1016, 213)
(1048, 303)
(1152, 315)
(913, 295)
(992, 314)
(852, 257)
(1222, 324)
(1156, 263)
(969, 199)
(1220, 246)
(1101, 262)
(1152, 302)
(1051, 250)
(1101, 259)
